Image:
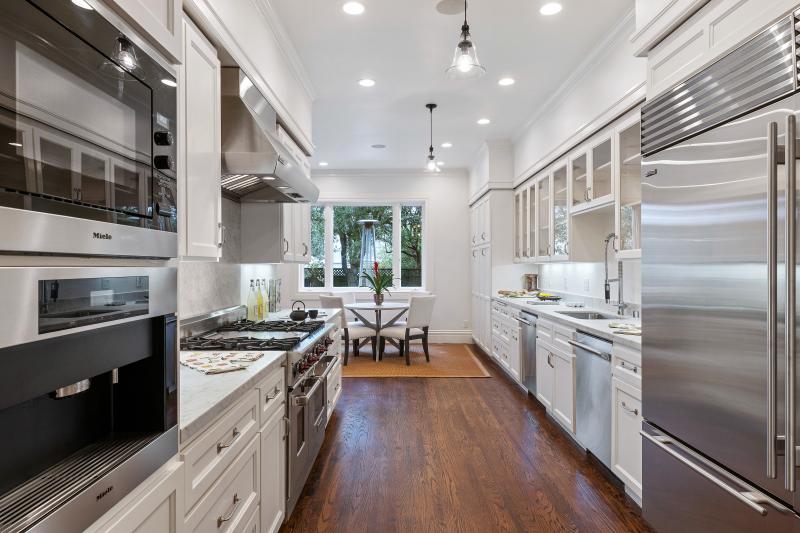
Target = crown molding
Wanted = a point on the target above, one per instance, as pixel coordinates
(286, 46)
(388, 173)
(580, 73)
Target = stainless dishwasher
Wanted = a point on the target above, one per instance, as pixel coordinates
(527, 349)
(593, 388)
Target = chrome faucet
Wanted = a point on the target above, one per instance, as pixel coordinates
(621, 305)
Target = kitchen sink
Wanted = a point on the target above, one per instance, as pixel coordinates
(588, 315)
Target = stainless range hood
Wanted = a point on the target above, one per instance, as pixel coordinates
(256, 167)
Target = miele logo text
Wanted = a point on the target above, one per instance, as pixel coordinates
(104, 236)
(105, 492)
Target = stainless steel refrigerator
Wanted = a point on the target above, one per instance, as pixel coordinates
(719, 295)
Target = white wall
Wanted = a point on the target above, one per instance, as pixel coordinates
(446, 244)
(609, 82)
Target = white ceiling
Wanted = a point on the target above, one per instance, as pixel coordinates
(405, 45)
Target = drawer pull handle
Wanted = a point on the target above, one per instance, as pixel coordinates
(632, 411)
(270, 397)
(235, 436)
(222, 519)
(632, 368)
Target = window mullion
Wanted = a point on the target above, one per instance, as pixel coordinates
(328, 244)
(396, 256)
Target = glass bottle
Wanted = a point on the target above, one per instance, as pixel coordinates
(259, 300)
(265, 297)
(252, 302)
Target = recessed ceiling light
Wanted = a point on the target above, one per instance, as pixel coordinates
(505, 82)
(367, 82)
(379, 146)
(447, 145)
(169, 83)
(550, 8)
(82, 4)
(15, 144)
(323, 163)
(483, 121)
(353, 8)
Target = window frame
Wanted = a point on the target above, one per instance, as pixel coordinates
(396, 206)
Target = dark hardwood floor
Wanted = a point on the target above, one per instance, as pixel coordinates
(472, 455)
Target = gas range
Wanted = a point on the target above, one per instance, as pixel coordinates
(247, 335)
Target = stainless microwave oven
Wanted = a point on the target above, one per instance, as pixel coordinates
(87, 136)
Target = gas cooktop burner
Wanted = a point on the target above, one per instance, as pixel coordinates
(204, 343)
(274, 325)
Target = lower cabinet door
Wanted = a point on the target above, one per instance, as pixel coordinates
(545, 375)
(254, 524)
(273, 473)
(626, 445)
(564, 394)
(154, 506)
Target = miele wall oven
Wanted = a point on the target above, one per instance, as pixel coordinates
(87, 136)
(88, 390)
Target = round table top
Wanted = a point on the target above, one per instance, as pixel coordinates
(372, 306)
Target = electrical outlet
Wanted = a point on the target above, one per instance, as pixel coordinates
(586, 284)
(105, 283)
(466, 324)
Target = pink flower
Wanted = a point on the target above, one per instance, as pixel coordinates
(375, 266)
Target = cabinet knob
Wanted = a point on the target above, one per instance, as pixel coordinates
(163, 138)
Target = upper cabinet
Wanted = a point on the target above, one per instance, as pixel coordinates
(253, 36)
(276, 233)
(200, 152)
(629, 193)
(158, 20)
(492, 169)
(565, 212)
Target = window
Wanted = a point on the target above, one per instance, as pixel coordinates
(346, 239)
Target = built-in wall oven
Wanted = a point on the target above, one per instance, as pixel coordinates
(87, 136)
(88, 390)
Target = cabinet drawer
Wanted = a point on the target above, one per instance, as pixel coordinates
(626, 449)
(233, 499)
(271, 394)
(253, 524)
(627, 365)
(216, 448)
(561, 337)
(334, 386)
(544, 331)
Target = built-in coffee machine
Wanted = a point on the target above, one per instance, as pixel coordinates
(88, 390)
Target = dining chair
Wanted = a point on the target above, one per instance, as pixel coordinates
(353, 331)
(416, 326)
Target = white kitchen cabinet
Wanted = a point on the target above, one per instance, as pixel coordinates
(513, 351)
(276, 233)
(155, 505)
(559, 212)
(200, 150)
(158, 20)
(520, 225)
(273, 472)
(626, 445)
(564, 389)
(628, 197)
(544, 237)
(545, 375)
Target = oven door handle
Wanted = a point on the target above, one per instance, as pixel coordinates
(303, 400)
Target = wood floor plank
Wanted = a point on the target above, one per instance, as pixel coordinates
(453, 455)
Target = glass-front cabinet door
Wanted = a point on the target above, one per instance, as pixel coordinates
(579, 178)
(560, 217)
(543, 190)
(519, 225)
(533, 214)
(629, 193)
(601, 186)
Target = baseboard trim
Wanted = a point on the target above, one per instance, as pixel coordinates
(450, 336)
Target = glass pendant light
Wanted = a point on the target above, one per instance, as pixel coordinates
(465, 63)
(431, 165)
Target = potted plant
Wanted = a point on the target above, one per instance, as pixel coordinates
(379, 282)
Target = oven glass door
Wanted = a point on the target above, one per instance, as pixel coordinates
(76, 118)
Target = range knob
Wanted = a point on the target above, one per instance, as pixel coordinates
(164, 162)
(163, 138)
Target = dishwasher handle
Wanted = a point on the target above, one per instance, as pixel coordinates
(587, 348)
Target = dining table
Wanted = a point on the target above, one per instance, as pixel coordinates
(365, 308)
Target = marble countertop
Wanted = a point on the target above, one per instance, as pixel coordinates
(595, 327)
(205, 397)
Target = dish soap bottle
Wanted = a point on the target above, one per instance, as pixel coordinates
(260, 300)
(252, 302)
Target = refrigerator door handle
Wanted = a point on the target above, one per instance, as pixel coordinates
(752, 499)
(772, 298)
(791, 238)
